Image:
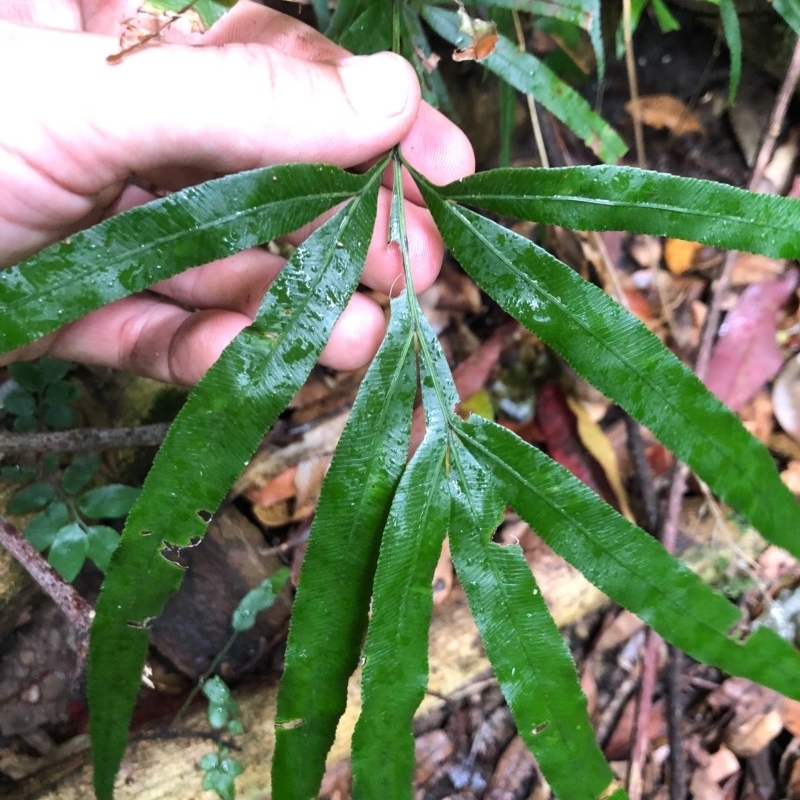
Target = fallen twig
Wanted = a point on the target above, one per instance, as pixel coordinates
(77, 610)
(80, 439)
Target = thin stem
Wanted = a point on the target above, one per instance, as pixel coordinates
(397, 232)
(535, 124)
(77, 610)
(115, 58)
(203, 678)
(396, 26)
(630, 65)
(82, 439)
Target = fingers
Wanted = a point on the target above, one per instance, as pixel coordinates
(160, 340)
(223, 109)
(383, 270)
(434, 145)
(262, 89)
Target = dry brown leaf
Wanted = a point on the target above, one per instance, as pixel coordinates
(702, 785)
(514, 774)
(428, 63)
(431, 750)
(665, 111)
(753, 268)
(786, 398)
(722, 764)
(789, 770)
(645, 250)
(775, 564)
(790, 714)
(483, 37)
(756, 416)
(596, 442)
(291, 495)
(756, 718)
(679, 255)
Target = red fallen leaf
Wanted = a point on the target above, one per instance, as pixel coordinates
(559, 428)
(482, 46)
(746, 354)
(482, 33)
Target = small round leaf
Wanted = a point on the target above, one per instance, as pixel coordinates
(102, 543)
(20, 402)
(258, 599)
(42, 529)
(68, 551)
(17, 473)
(31, 498)
(27, 375)
(80, 472)
(58, 417)
(209, 761)
(113, 500)
(52, 369)
(221, 783)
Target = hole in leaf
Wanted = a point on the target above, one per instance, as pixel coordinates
(539, 728)
(290, 724)
(173, 553)
(205, 515)
(143, 625)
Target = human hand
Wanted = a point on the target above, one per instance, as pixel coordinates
(263, 89)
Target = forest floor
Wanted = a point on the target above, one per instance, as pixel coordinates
(671, 728)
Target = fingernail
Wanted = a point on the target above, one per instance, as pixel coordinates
(378, 85)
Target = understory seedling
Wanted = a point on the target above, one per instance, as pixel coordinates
(71, 514)
(221, 767)
(381, 519)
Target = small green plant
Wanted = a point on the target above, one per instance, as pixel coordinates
(41, 399)
(221, 767)
(381, 517)
(69, 508)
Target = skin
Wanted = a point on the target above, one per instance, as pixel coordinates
(88, 139)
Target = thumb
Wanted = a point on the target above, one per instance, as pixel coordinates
(222, 108)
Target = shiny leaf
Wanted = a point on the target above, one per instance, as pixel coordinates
(790, 12)
(395, 672)
(133, 250)
(31, 498)
(111, 500)
(626, 563)
(338, 567)
(227, 415)
(68, 551)
(628, 199)
(258, 599)
(528, 655)
(612, 350)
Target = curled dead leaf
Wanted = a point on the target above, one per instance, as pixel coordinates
(664, 111)
(786, 398)
(679, 255)
(483, 36)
